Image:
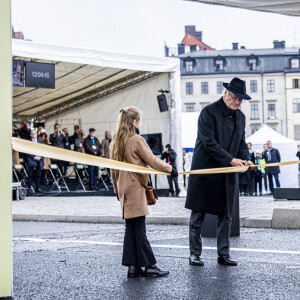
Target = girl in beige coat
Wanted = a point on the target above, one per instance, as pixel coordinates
(128, 146)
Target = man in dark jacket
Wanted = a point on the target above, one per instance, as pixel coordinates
(272, 156)
(35, 163)
(170, 156)
(220, 143)
(58, 139)
(92, 146)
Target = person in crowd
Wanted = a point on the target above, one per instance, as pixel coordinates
(272, 156)
(92, 146)
(298, 155)
(265, 175)
(129, 146)
(35, 163)
(259, 172)
(58, 139)
(78, 145)
(251, 184)
(66, 164)
(170, 156)
(15, 154)
(24, 131)
(183, 166)
(74, 137)
(106, 143)
(220, 143)
(105, 147)
(43, 137)
(244, 180)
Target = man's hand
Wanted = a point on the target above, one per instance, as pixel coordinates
(236, 162)
(250, 163)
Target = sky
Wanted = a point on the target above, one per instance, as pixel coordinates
(142, 27)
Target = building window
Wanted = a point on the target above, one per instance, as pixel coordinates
(220, 87)
(254, 111)
(297, 132)
(189, 88)
(190, 109)
(253, 130)
(295, 63)
(271, 111)
(219, 65)
(252, 64)
(271, 85)
(204, 87)
(296, 105)
(188, 66)
(253, 86)
(296, 84)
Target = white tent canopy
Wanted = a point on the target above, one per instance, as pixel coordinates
(91, 86)
(287, 149)
(285, 7)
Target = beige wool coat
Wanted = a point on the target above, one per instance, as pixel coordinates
(132, 194)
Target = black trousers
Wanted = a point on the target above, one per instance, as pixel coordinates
(34, 173)
(171, 187)
(223, 233)
(136, 248)
(93, 176)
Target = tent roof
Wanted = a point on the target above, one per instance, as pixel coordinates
(286, 7)
(81, 75)
(266, 133)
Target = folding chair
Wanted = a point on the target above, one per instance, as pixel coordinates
(21, 176)
(54, 167)
(82, 179)
(104, 172)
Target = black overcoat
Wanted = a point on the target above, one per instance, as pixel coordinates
(220, 138)
(275, 157)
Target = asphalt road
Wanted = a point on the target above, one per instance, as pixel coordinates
(83, 261)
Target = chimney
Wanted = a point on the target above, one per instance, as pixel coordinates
(166, 51)
(243, 47)
(235, 46)
(191, 29)
(279, 44)
(181, 49)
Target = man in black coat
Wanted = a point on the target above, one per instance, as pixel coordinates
(92, 146)
(272, 156)
(170, 156)
(35, 163)
(58, 139)
(220, 143)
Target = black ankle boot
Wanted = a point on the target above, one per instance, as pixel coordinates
(154, 271)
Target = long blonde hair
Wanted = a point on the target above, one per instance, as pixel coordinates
(124, 129)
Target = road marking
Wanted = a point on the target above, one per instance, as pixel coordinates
(37, 240)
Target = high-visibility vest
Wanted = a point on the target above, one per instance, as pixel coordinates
(261, 162)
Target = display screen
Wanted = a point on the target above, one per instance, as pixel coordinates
(40, 75)
(18, 73)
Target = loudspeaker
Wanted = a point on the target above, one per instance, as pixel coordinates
(162, 102)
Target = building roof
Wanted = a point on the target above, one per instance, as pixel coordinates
(242, 52)
(190, 40)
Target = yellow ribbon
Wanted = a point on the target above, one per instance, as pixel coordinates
(29, 147)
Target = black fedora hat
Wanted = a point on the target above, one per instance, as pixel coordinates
(238, 87)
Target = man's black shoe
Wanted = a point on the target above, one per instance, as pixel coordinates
(154, 271)
(134, 272)
(227, 261)
(38, 190)
(96, 189)
(195, 260)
